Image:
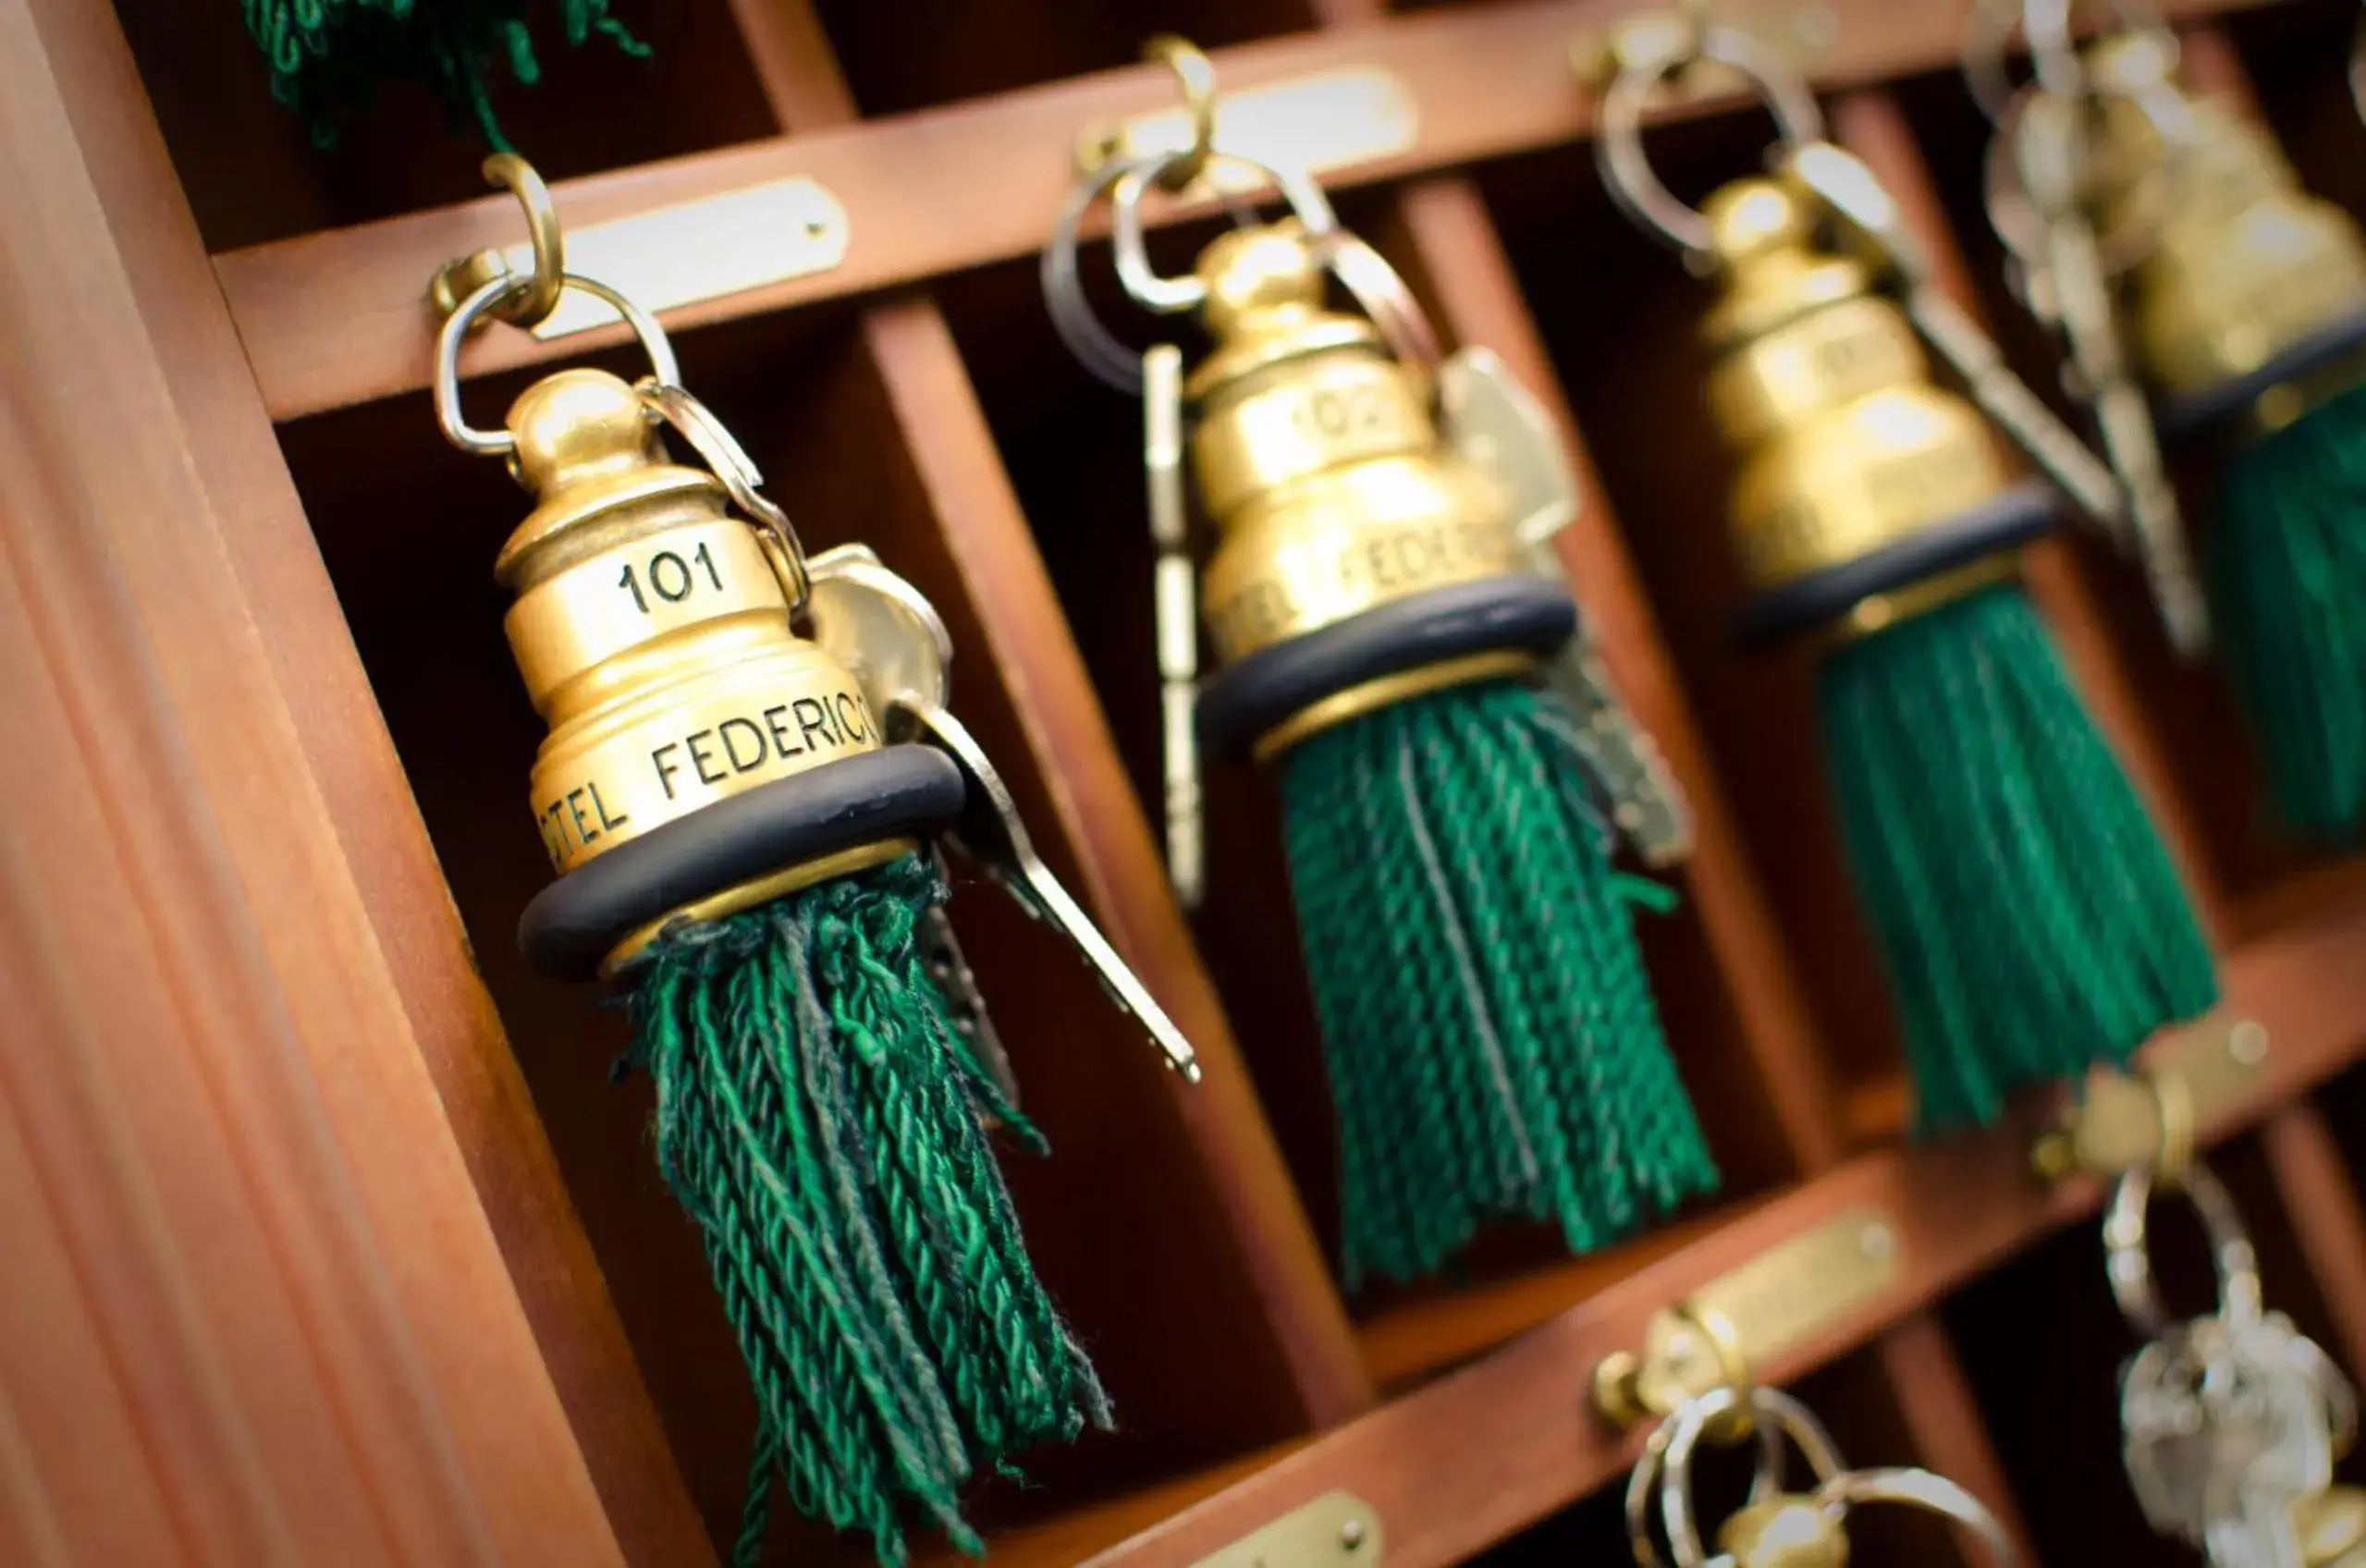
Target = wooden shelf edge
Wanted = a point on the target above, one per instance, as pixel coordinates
(335, 318)
(1478, 1454)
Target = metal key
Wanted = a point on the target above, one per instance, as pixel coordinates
(1493, 424)
(990, 833)
(941, 954)
(2067, 288)
(2168, 1443)
(891, 639)
(1873, 226)
(2225, 1430)
(1175, 605)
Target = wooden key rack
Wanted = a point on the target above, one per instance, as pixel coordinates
(330, 1239)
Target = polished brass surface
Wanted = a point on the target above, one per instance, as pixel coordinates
(1336, 1530)
(2150, 1118)
(1318, 459)
(652, 634)
(2243, 261)
(1785, 1531)
(1743, 1319)
(1370, 696)
(1821, 383)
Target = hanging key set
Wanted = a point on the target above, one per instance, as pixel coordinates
(1396, 642)
(1695, 1381)
(2231, 1420)
(2211, 304)
(1871, 513)
(749, 765)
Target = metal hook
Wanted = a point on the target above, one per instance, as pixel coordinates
(2128, 1258)
(459, 279)
(1169, 295)
(1195, 74)
(1099, 349)
(486, 298)
(742, 481)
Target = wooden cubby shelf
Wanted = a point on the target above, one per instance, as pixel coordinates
(333, 318)
(315, 1197)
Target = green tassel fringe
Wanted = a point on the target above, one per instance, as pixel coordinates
(327, 56)
(819, 1119)
(2031, 921)
(1493, 1049)
(2287, 580)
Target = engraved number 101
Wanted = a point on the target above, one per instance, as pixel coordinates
(670, 577)
(1338, 414)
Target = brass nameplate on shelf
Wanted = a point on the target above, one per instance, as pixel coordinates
(1316, 123)
(695, 250)
(1741, 1321)
(2123, 1121)
(1336, 1530)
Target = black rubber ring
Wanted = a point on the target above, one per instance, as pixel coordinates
(1517, 611)
(571, 926)
(2011, 518)
(2182, 416)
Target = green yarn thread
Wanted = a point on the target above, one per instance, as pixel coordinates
(819, 1119)
(1493, 1049)
(328, 54)
(2031, 920)
(2287, 581)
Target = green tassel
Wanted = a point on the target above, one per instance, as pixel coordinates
(2031, 920)
(819, 1118)
(1493, 1049)
(326, 56)
(2287, 580)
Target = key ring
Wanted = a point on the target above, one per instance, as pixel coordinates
(1779, 1412)
(1618, 149)
(2129, 1259)
(742, 481)
(1169, 296)
(482, 300)
(1644, 1483)
(2019, 223)
(2358, 67)
(1376, 286)
(2046, 25)
(1920, 1489)
(1100, 351)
